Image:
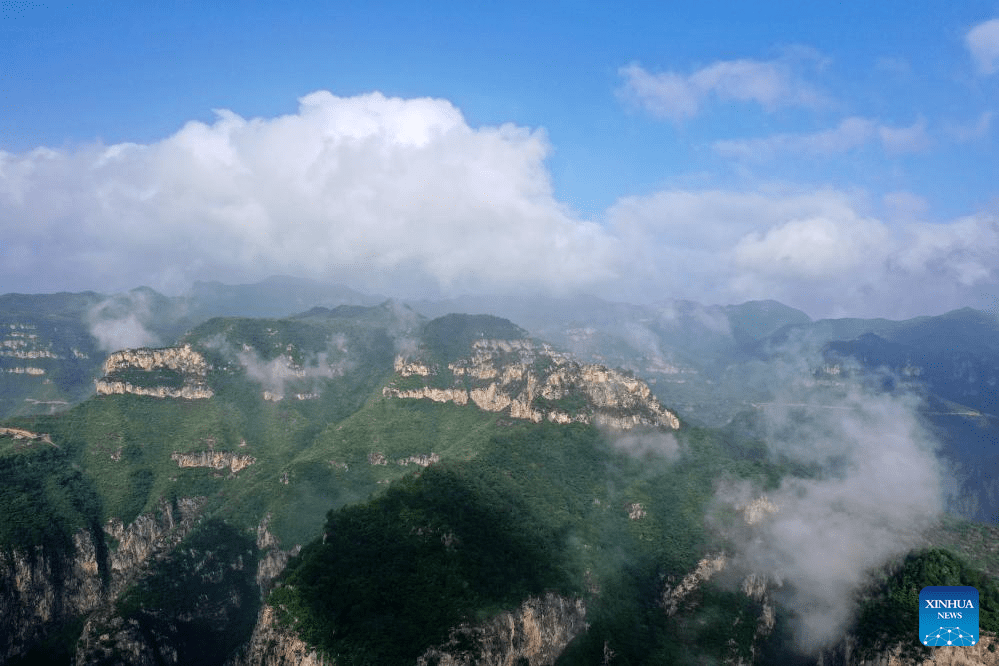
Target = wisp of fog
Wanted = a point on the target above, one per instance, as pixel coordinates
(877, 485)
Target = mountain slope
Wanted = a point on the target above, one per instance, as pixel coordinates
(555, 509)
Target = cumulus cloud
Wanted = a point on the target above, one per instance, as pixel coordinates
(366, 188)
(878, 486)
(822, 251)
(403, 197)
(677, 96)
(851, 134)
(983, 44)
(811, 248)
(905, 207)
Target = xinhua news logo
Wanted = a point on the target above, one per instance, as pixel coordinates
(948, 615)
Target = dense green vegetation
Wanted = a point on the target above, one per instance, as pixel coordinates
(889, 617)
(561, 493)
(450, 337)
(508, 510)
(392, 576)
(44, 499)
(166, 377)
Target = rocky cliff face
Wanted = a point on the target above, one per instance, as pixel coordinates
(274, 645)
(121, 367)
(986, 653)
(536, 633)
(194, 605)
(213, 460)
(23, 342)
(532, 381)
(41, 589)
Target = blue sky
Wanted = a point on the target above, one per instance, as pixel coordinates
(837, 156)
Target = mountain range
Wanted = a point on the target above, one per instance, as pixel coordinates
(290, 471)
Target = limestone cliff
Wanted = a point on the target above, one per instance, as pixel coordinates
(532, 381)
(274, 645)
(123, 369)
(23, 342)
(213, 460)
(272, 559)
(674, 595)
(41, 589)
(536, 633)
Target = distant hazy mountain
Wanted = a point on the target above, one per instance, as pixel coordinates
(278, 296)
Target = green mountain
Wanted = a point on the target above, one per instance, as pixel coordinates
(362, 484)
(52, 345)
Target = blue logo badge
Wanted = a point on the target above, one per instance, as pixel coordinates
(948, 615)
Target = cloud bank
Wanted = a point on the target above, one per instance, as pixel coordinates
(388, 190)
(403, 197)
(821, 250)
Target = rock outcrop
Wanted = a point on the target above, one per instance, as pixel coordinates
(190, 365)
(536, 633)
(274, 645)
(213, 460)
(272, 559)
(532, 381)
(41, 590)
(23, 342)
(26, 435)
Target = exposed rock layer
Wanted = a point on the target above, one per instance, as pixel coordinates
(190, 364)
(536, 633)
(213, 460)
(274, 645)
(533, 382)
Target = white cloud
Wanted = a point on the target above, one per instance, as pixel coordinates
(675, 96)
(881, 486)
(851, 134)
(964, 253)
(822, 251)
(402, 197)
(983, 44)
(979, 129)
(904, 207)
(911, 139)
(813, 248)
(368, 188)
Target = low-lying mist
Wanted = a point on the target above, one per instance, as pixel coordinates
(122, 322)
(869, 484)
